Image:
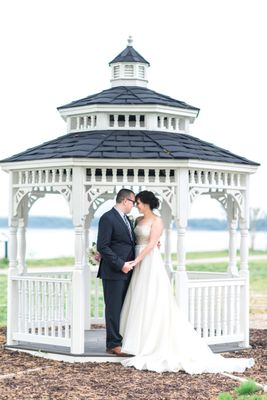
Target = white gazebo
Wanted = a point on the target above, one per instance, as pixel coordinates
(126, 136)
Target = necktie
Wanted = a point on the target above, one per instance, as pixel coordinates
(128, 225)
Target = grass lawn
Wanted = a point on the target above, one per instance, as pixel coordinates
(257, 268)
(3, 299)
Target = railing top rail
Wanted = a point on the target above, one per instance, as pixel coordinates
(208, 272)
(40, 279)
(48, 273)
(214, 282)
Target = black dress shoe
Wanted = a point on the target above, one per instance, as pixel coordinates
(117, 352)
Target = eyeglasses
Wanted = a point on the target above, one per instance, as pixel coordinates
(133, 201)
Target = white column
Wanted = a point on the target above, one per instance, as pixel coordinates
(12, 289)
(68, 124)
(232, 226)
(181, 281)
(78, 277)
(168, 255)
(177, 124)
(243, 247)
(78, 306)
(244, 271)
(79, 123)
(87, 282)
(12, 286)
(186, 125)
(167, 218)
(102, 121)
(127, 121)
(116, 118)
(232, 267)
(182, 207)
(151, 122)
(21, 246)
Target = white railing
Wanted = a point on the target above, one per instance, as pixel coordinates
(97, 299)
(44, 308)
(215, 307)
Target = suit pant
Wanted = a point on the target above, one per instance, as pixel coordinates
(114, 295)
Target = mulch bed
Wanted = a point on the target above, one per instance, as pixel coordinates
(51, 380)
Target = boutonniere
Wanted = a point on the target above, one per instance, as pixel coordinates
(131, 219)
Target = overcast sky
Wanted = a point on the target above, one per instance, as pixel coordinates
(208, 53)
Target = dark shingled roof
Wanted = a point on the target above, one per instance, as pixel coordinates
(129, 144)
(129, 55)
(129, 95)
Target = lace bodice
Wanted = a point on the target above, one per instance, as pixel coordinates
(142, 233)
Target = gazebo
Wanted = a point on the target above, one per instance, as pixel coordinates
(126, 136)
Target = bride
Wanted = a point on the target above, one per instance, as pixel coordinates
(153, 328)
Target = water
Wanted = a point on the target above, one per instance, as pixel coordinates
(50, 243)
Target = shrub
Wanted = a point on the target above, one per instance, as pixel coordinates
(225, 396)
(247, 387)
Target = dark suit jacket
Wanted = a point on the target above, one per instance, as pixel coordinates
(115, 245)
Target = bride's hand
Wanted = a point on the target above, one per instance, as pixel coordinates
(133, 263)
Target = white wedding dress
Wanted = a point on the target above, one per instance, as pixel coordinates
(155, 331)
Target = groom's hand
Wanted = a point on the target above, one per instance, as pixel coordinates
(127, 267)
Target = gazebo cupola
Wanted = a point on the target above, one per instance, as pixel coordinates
(129, 68)
(128, 104)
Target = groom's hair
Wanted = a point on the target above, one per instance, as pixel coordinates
(123, 194)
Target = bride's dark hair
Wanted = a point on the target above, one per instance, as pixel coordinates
(149, 198)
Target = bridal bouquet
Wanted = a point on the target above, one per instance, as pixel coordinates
(131, 219)
(94, 256)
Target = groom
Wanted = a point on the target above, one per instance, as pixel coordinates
(115, 243)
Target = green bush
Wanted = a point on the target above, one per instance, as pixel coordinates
(247, 387)
(225, 396)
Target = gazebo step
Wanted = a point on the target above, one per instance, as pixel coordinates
(227, 347)
(95, 346)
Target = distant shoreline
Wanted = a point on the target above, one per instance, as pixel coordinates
(203, 224)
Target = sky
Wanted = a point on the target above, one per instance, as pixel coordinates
(208, 53)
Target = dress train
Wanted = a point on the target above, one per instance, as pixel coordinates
(154, 329)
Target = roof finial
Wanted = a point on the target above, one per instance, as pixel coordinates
(130, 41)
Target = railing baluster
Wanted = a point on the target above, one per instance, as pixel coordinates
(20, 308)
(225, 311)
(218, 311)
(205, 311)
(237, 304)
(192, 306)
(231, 309)
(211, 311)
(198, 309)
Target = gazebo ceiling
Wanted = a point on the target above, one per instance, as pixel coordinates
(129, 95)
(129, 144)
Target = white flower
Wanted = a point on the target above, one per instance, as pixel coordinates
(94, 256)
